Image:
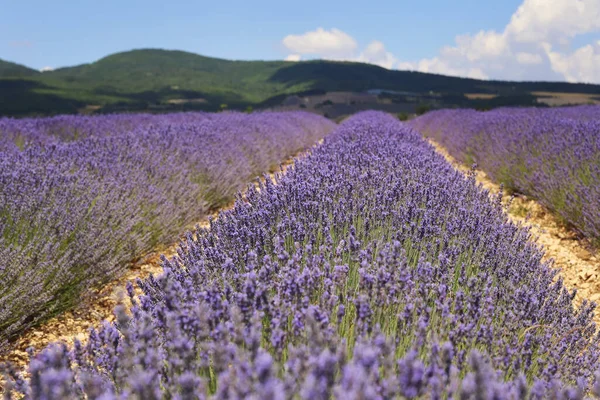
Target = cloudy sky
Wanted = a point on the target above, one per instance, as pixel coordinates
(493, 39)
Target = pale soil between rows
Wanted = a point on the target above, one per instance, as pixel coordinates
(577, 261)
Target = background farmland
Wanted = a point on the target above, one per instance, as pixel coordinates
(161, 80)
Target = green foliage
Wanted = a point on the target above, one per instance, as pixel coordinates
(12, 70)
(422, 109)
(20, 97)
(403, 116)
(150, 79)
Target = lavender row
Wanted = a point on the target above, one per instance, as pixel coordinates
(552, 155)
(371, 270)
(17, 134)
(81, 197)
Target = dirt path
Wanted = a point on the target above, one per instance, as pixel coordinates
(578, 262)
(100, 303)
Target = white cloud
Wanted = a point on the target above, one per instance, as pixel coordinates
(332, 43)
(582, 65)
(483, 45)
(554, 21)
(375, 53)
(337, 45)
(518, 53)
(436, 65)
(293, 57)
(46, 69)
(535, 44)
(529, 58)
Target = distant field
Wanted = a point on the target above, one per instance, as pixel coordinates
(339, 104)
(478, 96)
(563, 99)
(185, 101)
(552, 99)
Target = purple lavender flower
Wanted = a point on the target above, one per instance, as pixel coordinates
(549, 154)
(86, 195)
(371, 270)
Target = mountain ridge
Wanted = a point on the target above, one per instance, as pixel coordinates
(158, 80)
(12, 69)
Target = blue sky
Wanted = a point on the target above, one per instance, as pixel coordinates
(418, 35)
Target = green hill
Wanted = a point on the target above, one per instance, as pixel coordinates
(171, 74)
(344, 76)
(158, 80)
(12, 70)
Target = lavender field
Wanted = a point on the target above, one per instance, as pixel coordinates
(80, 197)
(371, 270)
(552, 155)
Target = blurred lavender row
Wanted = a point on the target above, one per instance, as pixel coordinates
(552, 155)
(82, 196)
(372, 270)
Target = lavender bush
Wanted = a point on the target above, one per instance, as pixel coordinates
(82, 196)
(552, 155)
(372, 270)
